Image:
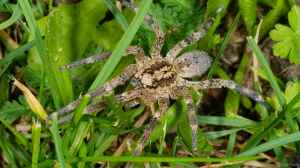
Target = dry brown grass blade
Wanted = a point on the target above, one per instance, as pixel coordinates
(32, 101)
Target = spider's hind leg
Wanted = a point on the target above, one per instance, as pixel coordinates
(220, 83)
(107, 87)
(163, 106)
(192, 117)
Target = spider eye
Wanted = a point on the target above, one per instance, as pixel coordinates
(192, 64)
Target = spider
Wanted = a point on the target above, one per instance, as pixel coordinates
(156, 80)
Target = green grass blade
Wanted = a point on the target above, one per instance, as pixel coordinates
(6, 150)
(8, 59)
(118, 15)
(36, 136)
(230, 145)
(293, 102)
(272, 144)
(81, 132)
(165, 159)
(232, 100)
(225, 121)
(80, 109)
(19, 137)
(14, 17)
(15, 53)
(125, 41)
(266, 68)
(263, 131)
(217, 134)
(57, 142)
(224, 45)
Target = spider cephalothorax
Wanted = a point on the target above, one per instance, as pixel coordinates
(155, 74)
(157, 79)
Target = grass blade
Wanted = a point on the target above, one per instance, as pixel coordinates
(266, 68)
(165, 159)
(80, 109)
(36, 136)
(225, 121)
(231, 144)
(7, 150)
(116, 56)
(118, 15)
(224, 45)
(217, 134)
(81, 132)
(272, 144)
(8, 59)
(57, 142)
(14, 17)
(19, 137)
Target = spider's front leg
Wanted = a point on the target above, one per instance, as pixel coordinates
(220, 83)
(137, 51)
(163, 106)
(128, 98)
(159, 39)
(194, 37)
(89, 60)
(107, 87)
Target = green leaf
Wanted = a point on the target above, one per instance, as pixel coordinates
(288, 38)
(291, 91)
(60, 83)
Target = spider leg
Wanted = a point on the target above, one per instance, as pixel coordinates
(220, 83)
(129, 137)
(163, 106)
(88, 60)
(138, 52)
(107, 87)
(134, 50)
(191, 111)
(159, 38)
(125, 97)
(194, 37)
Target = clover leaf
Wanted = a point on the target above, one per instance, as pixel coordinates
(288, 38)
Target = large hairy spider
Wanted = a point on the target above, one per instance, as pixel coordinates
(156, 80)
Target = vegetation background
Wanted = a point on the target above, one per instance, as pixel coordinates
(254, 42)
